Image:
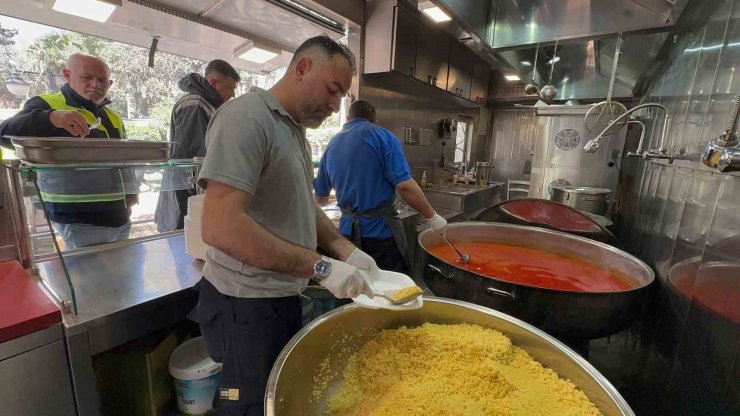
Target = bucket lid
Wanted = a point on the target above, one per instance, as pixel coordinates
(190, 361)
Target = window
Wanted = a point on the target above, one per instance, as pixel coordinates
(35, 54)
(462, 141)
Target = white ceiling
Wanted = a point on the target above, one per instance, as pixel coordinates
(136, 24)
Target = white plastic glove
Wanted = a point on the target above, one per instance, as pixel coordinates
(362, 260)
(345, 281)
(438, 224)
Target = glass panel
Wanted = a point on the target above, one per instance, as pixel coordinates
(93, 205)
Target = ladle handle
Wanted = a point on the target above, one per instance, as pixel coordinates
(453, 247)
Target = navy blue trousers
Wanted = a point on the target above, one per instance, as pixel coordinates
(246, 335)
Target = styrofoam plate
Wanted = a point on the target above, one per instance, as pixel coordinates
(388, 283)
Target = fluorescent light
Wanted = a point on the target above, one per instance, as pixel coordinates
(257, 54)
(96, 10)
(436, 14)
(526, 63)
(512, 77)
(553, 60)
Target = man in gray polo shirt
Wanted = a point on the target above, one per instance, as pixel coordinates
(263, 225)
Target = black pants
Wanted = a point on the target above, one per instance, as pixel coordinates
(181, 196)
(246, 335)
(385, 253)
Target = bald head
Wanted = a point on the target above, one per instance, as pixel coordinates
(88, 76)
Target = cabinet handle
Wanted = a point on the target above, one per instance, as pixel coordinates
(440, 272)
(499, 292)
(412, 70)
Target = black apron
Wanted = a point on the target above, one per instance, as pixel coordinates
(388, 212)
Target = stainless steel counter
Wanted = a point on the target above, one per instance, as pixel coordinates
(113, 281)
(123, 293)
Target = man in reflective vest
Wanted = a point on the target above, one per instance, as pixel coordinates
(85, 207)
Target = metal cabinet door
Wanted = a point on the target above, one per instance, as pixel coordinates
(481, 78)
(404, 42)
(37, 382)
(460, 73)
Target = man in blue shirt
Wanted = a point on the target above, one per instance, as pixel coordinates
(365, 165)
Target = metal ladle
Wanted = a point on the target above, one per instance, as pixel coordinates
(464, 259)
(549, 91)
(533, 88)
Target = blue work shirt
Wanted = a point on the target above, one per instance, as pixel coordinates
(363, 163)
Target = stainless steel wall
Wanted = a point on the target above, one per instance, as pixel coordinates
(513, 138)
(396, 110)
(684, 220)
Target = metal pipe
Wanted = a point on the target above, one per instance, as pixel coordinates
(723, 152)
(732, 120)
(593, 144)
(639, 151)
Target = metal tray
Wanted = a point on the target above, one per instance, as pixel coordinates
(70, 150)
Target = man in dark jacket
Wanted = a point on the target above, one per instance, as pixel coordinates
(86, 208)
(190, 117)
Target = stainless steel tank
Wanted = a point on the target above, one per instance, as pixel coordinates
(559, 158)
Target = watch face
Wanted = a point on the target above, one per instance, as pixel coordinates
(322, 268)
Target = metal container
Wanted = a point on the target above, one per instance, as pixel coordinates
(564, 314)
(584, 198)
(559, 158)
(70, 150)
(318, 354)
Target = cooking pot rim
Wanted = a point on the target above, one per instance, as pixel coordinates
(583, 190)
(641, 285)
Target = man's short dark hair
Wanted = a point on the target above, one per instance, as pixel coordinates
(328, 46)
(362, 109)
(222, 68)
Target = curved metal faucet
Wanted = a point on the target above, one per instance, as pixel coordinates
(639, 152)
(723, 152)
(659, 153)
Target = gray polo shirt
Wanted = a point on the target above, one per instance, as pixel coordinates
(256, 146)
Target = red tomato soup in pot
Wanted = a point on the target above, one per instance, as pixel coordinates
(533, 267)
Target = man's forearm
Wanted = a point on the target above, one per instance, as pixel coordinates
(414, 196)
(246, 240)
(330, 239)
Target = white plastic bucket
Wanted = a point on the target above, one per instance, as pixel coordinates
(196, 377)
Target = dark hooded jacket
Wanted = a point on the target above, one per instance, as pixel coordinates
(190, 117)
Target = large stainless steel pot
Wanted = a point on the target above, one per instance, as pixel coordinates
(319, 353)
(593, 200)
(564, 314)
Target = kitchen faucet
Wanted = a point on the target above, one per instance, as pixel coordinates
(659, 153)
(723, 152)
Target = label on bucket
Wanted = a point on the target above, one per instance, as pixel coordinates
(195, 397)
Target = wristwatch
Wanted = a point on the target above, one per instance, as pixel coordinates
(321, 269)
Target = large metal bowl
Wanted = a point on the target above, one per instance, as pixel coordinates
(320, 351)
(564, 314)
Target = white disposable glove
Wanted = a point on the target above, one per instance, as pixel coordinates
(438, 224)
(346, 281)
(362, 260)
